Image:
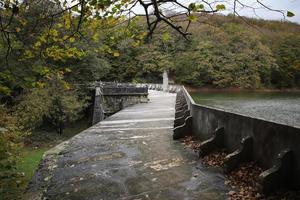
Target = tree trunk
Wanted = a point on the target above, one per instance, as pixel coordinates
(61, 128)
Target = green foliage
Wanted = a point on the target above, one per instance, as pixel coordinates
(107, 51)
(227, 57)
(55, 103)
(196, 7)
(287, 53)
(10, 139)
(29, 160)
(226, 53)
(107, 48)
(220, 7)
(290, 14)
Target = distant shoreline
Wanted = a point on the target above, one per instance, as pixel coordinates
(210, 89)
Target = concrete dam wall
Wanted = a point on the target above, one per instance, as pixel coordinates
(274, 146)
(112, 97)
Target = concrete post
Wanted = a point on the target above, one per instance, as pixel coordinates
(98, 114)
(165, 81)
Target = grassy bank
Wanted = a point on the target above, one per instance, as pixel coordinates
(32, 152)
(28, 163)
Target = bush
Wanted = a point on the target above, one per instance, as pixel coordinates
(10, 140)
(287, 54)
(54, 103)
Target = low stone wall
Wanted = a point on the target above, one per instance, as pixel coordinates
(115, 103)
(113, 97)
(275, 146)
(159, 87)
(124, 90)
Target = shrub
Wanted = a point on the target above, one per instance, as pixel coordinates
(54, 103)
(10, 140)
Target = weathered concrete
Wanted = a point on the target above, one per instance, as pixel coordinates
(243, 154)
(165, 81)
(269, 138)
(112, 97)
(130, 155)
(98, 111)
(278, 176)
(213, 143)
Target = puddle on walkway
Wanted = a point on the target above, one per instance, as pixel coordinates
(164, 164)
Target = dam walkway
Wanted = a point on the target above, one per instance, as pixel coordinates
(129, 156)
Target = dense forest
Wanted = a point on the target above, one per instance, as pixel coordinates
(223, 52)
(44, 72)
(229, 53)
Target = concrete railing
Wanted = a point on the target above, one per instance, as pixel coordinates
(112, 88)
(159, 87)
(111, 97)
(276, 147)
(124, 90)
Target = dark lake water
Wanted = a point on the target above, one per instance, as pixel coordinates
(281, 107)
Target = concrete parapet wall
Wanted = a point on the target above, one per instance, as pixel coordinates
(269, 138)
(115, 103)
(111, 97)
(159, 87)
(122, 91)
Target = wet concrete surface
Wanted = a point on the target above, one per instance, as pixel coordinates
(128, 156)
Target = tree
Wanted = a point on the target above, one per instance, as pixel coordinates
(287, 54)
(166, 12)
(226, 57)
(10, 139)
(53, 102)
(45, 34)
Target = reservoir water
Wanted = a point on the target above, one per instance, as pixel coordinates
(280, 107)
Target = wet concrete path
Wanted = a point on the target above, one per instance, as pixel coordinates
(128, 156)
